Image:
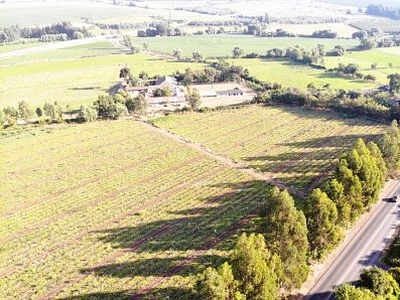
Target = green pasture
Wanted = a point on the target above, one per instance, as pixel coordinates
(6, 47)
(382, 57)
(291, 74)
(73, 76)
(222, 45)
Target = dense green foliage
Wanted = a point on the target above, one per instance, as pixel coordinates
(322, 223)
(253, 273)
(285, 229)
(58, 31)
(359, 177)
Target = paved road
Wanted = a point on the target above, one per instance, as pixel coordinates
(364, 249)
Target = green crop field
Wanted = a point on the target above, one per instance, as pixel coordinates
(295, 145)
(222, 45)
(107, 209)
(73, 76)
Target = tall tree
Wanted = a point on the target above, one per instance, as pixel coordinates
(25, 111)
(380, 282)
(237, 52)
(218, 284)
(194, 98)
(350, 292)
(285, 229)
(390, 146)
(394, 82)
(255, 268)
(322, 219)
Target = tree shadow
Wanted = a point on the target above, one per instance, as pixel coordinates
(149, 267)
(158, 293)
(316, 156)
(86, 88)
(188, 229)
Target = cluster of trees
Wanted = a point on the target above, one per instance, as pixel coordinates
(313, 57)
(324, 34)
(260, 270)
(59, 30)
(383, 11)
(374, 38)
(160, 29)
(374, 284)
(46, 114)
(119, 105)
(221, 71)
(352, 70)
(261, 30)
(377, 105)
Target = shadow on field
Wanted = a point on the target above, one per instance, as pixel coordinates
(315, 156)
(149, 267)
(169, 240)
(100, 296)
(86, 88)
(188, 229)
(158, 293)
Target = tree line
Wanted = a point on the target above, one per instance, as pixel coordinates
(64, 30)
(383, 11)
(272, 260)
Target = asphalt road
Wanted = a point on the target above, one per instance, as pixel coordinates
(363, 250)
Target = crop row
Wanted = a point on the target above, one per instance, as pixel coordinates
(61, 148)
(97, 166)
(185, 238)
(295, 145)
(155, 215)
(112, 201)
(48, 184)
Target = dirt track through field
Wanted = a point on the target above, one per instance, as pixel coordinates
(244, 168)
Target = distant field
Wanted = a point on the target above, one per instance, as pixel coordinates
(295, 145)
(11, 47)
(103, 209)
(73, 76)
(381, 56)
(222, 45)
(384, 24)
(291, 74)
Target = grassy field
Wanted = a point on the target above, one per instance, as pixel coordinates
(104, 209)
(291, 74)
(296, 145)
(222, 45)
(382, 57)
(73, 76)
(16, 46)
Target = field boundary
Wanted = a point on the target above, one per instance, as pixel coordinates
(242, 167)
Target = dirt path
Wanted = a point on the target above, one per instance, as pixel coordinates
(267, 177)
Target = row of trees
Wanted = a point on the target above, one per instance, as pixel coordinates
(46, 114)
(274, 260)
(221, 71)
(15, 32)
(352, 70)
(260, 270)
(314, 57)
(383, 11)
